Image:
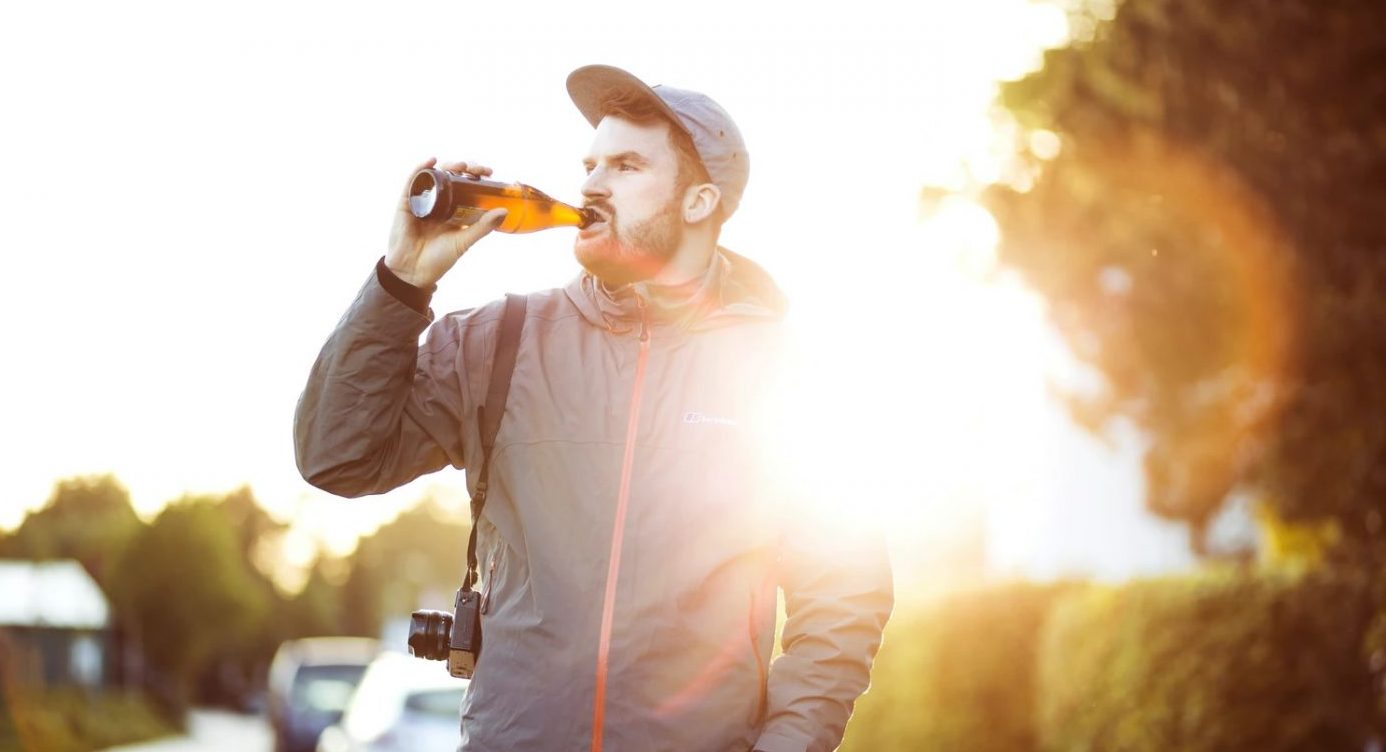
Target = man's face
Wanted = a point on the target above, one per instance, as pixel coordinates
(632, 183)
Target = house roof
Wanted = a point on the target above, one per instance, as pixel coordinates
(50, 594)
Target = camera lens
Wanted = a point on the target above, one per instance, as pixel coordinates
(428, 634)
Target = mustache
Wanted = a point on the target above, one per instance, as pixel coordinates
(606, 211)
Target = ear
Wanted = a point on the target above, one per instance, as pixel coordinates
(700, 202)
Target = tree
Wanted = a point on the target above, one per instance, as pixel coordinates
(1209, 238)
(417, 555)
(186, 592)
(87, 518)
(251, 523)
(317, 609)
(233, 669)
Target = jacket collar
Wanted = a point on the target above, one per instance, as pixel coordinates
(732, 288)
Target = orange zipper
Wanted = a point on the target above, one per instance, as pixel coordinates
(618, 531)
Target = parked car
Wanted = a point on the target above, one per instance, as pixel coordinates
(310, 683)
(404, 704)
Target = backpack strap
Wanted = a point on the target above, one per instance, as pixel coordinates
(489, 413)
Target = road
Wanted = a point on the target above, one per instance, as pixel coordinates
(213, 731)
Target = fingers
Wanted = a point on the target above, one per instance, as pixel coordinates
(456, 168)
(468, 168)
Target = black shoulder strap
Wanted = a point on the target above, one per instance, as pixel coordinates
(489, 413)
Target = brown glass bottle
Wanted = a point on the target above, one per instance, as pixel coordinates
(441, 196)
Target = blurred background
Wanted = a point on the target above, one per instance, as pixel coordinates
(1111, 272)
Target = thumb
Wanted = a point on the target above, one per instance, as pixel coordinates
(491, 220)
(468, 236)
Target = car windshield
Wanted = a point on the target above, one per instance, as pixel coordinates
(325, 688)
(443, 703)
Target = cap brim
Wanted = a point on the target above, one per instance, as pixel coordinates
(593, 85)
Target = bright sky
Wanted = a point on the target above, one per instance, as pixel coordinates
(192, 194)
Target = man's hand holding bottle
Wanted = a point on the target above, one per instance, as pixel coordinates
(421, 252)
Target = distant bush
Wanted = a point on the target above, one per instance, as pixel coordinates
(958, 675)
(1217, 661)
(71, 720)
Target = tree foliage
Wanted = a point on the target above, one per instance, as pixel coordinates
(229, 672)
(192, 593)
(414, 561)
(958, 675)
(1209, 239)
(317, 609)
(1218, 661)
(185, 592)
(87, 518)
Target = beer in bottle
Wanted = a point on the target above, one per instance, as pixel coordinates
(441, 196)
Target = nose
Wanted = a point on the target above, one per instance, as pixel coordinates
(594, 187)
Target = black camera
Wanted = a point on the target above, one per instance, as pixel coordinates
(453, 637)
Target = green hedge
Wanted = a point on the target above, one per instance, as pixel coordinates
(1219, 661)
(77, 721)
(958, 675)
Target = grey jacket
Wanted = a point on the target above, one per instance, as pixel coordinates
(633, 540)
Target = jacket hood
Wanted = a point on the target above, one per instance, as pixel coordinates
(733, 289)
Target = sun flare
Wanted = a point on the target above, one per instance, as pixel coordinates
(907, 417)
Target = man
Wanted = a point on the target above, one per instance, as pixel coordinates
(633, 539)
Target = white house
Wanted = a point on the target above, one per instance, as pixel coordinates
(54, 622)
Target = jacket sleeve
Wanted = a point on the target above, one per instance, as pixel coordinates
(838, 595)
(380, 410)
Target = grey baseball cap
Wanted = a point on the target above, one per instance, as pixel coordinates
(715, 136)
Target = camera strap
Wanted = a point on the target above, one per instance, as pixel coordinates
(489, 413)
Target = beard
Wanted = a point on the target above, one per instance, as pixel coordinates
(623, 255)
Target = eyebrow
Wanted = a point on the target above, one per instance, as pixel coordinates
(625, 156)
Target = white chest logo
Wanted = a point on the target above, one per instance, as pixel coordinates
(700, 418)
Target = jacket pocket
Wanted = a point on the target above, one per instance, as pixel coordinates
(488, 587)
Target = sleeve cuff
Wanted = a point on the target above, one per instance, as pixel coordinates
(414, 297)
